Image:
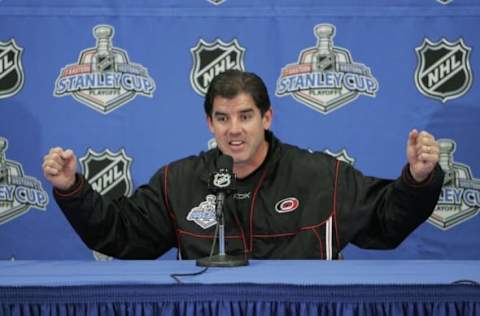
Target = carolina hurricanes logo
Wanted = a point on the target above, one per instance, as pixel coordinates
(287, 205)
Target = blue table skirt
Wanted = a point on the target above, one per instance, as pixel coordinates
(122, 289)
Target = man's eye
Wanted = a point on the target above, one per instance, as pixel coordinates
(245, 117)
(221, 118)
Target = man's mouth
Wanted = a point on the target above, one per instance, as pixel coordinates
(236, 144)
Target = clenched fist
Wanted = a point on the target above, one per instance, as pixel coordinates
(59, 167)
(422, 154)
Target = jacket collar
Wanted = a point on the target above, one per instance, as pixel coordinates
(273, 155)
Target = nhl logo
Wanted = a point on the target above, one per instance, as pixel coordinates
(222, 180)
(11, 71)
(443, 70)
(342, 155)
(211, 59)
(216, 2)
(108, 173)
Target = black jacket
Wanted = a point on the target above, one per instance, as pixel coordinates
(302, 205)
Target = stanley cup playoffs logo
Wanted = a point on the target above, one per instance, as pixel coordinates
(18, 193)
(443, 70)
(325, 77)
(104, 78)
(11, 71)
(459, 200)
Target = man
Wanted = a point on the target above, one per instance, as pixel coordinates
(290, 203)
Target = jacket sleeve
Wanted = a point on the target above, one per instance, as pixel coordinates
(138, 227)
(379, 214)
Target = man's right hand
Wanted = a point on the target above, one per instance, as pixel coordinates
(59, 167)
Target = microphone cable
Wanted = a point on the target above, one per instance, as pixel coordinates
(177, 276)
(466, 282)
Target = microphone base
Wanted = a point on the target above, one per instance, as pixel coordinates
(222, 261)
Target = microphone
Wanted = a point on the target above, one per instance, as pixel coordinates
(222, 183)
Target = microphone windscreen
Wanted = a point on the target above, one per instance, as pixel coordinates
(225, 162)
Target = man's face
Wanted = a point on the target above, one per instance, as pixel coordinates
(239, 129)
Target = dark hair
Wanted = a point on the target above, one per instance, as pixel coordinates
(231, 83)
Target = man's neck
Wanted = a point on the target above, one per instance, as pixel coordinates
(243, 170)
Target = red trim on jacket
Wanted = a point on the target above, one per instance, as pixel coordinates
(334, 205)
(319, 242)
(242, 234)
(170, 213)
(165, 191)
(288, 234)
(77, 188)
(407, 175)
(181, 231)
(252, 206)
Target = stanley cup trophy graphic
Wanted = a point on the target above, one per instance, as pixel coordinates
(4, 171)
(104, 59)
(447, 148)
(104, 78)
(456, 174)
(460, 198)
(325, 58)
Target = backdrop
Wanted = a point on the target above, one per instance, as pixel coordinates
(122, 84)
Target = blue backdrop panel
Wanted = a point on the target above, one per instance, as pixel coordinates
(122, 85)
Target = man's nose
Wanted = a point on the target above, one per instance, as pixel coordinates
(235, 126)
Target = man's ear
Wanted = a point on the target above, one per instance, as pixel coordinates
(267, 119)
(209, 123)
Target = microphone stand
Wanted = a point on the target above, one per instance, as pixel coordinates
(221, 259)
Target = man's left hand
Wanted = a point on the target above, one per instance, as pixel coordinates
(422, 154)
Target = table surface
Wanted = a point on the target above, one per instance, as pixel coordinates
(294, 272)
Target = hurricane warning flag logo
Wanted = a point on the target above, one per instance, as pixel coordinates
(18, 193)
(108, 173)
(11, 71)
(104, 78)
(443, 69)
(325, 77)
(459, 200)
(211, 59)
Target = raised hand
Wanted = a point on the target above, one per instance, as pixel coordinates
(59, 167)
(422, 154)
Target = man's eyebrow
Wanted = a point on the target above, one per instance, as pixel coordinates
(219, 113)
